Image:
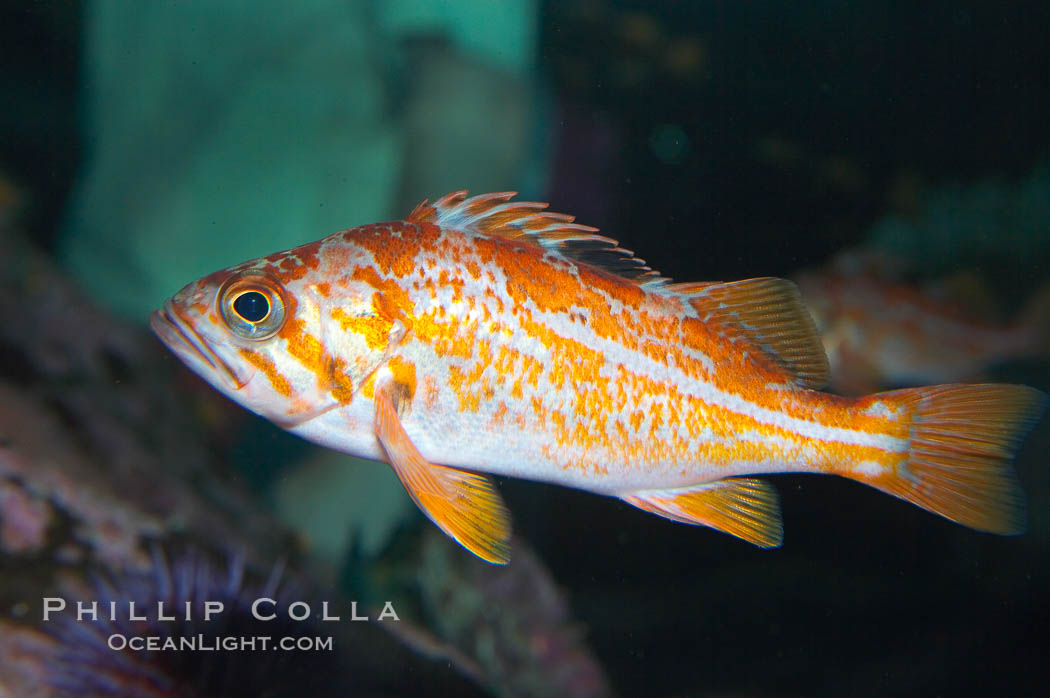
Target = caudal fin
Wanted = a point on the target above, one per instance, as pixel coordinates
(963, 438)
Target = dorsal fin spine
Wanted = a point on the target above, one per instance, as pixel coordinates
(495, 215)
(769, 312)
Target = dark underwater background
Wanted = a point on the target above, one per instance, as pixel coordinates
(143, 145)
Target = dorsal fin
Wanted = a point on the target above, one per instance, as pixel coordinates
(496, 216)
(687, 288)
(770, 312)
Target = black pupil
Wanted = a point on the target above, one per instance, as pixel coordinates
(252, 306)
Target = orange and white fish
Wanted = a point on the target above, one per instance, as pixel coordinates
(880, 333)
(482, 335)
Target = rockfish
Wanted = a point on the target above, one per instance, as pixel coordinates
(880, 333)
(481, 335)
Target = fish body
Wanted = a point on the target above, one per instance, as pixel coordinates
(879, 332)
(482, 335)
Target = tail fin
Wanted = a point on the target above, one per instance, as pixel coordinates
(963, 438)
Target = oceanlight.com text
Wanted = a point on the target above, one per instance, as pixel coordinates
(212, 643)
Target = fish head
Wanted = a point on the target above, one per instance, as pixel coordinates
(277, 336)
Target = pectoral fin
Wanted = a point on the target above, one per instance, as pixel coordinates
(744, 507)
(464, 505)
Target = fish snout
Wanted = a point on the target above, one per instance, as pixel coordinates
(179, 335)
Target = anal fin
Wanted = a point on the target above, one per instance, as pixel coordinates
(743, 507)
(466, 506)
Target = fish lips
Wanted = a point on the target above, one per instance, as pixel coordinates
(186, 343)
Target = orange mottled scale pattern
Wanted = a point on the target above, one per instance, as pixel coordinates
(585, 373)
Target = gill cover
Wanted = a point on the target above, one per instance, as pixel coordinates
(362, 329)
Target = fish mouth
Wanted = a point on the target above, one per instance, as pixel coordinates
(188, 345)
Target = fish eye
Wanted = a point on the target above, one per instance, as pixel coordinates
(252, 306)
